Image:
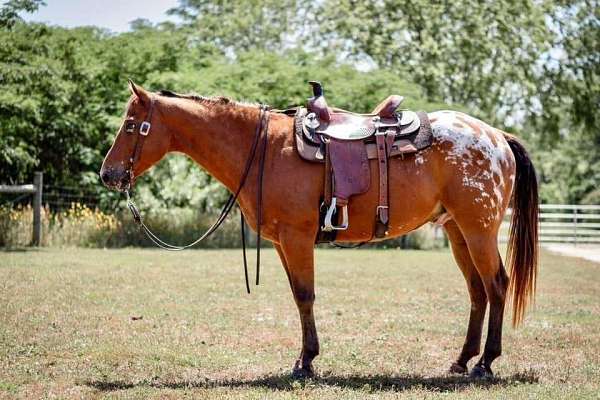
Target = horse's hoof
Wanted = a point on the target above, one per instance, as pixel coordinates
(300, 372)
(481, 372)
(456, 368)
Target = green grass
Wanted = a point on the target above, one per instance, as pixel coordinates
(148, 324)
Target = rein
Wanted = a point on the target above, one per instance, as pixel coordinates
(261, 132)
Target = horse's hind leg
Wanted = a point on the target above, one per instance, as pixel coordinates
(476, 293)
(297, 257)
(483, 247)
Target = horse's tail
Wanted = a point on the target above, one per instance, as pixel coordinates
(522, 252)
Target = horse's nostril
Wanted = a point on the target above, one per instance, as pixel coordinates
(104, 176)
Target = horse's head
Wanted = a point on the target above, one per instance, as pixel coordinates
(141, 141)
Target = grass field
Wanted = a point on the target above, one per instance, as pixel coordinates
(149, 324)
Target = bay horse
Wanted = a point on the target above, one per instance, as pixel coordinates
(464, 181)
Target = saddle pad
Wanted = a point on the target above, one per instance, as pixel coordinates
(406, 144)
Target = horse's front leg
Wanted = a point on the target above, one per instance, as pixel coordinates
(296, 251)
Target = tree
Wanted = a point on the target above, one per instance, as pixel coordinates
(480, 54)
(242, 26)
(9, 12)
(63, 95)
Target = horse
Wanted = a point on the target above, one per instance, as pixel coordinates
(464, 181)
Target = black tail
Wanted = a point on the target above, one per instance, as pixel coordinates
(522, 252)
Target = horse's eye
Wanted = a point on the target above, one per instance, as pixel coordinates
(130, 127)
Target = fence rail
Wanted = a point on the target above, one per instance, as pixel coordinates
(18, 189)
(565, 223)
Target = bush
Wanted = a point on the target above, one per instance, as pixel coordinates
(16, 226)
(81, 226)
(178, 226)
(76, 226)
(85, 227)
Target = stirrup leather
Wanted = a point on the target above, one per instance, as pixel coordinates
(328, 225)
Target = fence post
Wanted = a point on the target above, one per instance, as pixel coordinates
(38, 181)
(575, 223)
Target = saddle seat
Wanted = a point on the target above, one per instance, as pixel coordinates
(345, 141)
(346, 125)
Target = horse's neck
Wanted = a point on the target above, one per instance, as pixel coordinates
(218, 137)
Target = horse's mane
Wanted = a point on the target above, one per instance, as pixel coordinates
(195, 97)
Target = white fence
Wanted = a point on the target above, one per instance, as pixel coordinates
(565, 223)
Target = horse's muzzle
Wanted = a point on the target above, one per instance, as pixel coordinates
(115, 178)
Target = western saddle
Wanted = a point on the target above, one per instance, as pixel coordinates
(345, 142)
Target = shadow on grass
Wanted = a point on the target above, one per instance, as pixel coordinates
(369, 383)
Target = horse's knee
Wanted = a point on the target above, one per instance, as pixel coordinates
(304, 297)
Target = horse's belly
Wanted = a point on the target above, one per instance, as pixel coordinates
(413, 199)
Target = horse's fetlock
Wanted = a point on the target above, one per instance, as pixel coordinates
(467, 354)
(491, 354)
(309, 355)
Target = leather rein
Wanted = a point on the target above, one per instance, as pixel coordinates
(260, 138)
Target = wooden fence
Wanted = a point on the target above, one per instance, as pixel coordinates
(35, 189)
(564, 223)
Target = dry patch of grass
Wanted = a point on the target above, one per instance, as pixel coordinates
(147, 324)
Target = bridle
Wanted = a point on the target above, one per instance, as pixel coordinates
(139, 143)
(260, 138)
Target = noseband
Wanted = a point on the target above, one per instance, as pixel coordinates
(261, 132)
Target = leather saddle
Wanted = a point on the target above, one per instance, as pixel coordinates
(345, 142)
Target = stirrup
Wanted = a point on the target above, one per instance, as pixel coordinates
(328, 226)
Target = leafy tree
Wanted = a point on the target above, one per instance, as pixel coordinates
(64, 92)
(565, 126)
(476, 53)
(523, 64)
(241, 26)
(574, 76)
(9, 12)
(63, 95)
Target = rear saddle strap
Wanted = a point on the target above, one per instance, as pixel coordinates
(384, 142)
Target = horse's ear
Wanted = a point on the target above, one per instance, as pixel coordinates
(138, 91)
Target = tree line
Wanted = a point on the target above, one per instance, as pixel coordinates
(529, 67)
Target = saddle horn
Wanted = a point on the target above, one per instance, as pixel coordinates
(317, 88)
(317, 103)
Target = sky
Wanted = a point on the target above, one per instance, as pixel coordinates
(112, 14)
